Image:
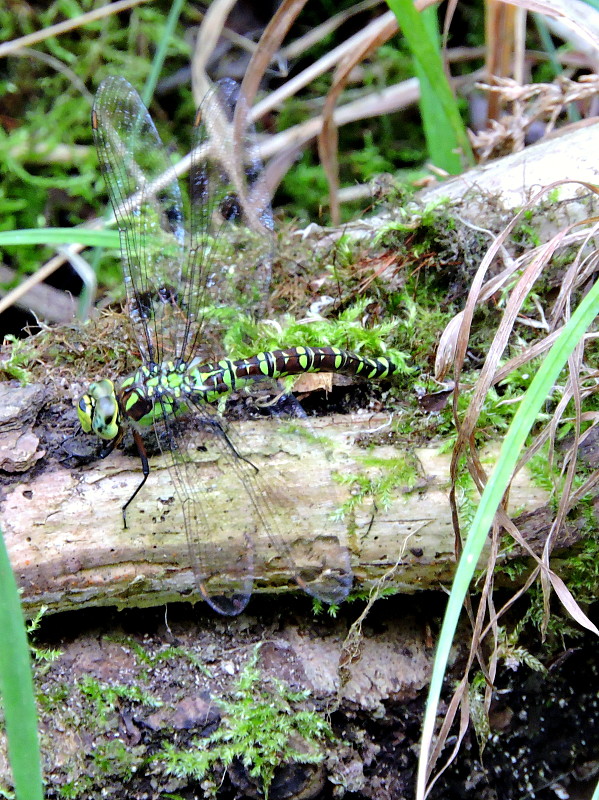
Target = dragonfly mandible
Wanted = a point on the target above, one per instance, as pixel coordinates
(177, 276)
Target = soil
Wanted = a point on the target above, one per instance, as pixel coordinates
(125, 684)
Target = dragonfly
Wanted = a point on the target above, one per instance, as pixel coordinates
(178, 279)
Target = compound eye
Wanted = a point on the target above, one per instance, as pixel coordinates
(106, 417)
(85, 412)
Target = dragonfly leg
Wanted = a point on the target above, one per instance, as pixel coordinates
(107, 449)
(232, 446)
(145, 466)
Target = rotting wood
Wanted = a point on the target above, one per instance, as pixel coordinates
(489, 193)
(69, 549)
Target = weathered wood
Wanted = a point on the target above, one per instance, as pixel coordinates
(69, 549)
(510, 182)
(489, 194)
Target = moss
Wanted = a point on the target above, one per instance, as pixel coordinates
(108, 761)
(104, 697)
(390, 476)
(147, 660)
(262, 727)
(17, 354)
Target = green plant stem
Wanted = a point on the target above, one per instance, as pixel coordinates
(16, 688)
(84, 236)
(159, 58)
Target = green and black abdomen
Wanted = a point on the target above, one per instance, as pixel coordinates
(227, 375)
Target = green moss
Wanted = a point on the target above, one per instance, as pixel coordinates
(414, 217)
(525, 234)
(386, 477)
(420, 318)
(111, 761)
(245, 336)
(115, 759)
(583, 567)
(105, 697)
(539, 467)
(72, 789)
(149, 660)
(580, 571)
(261, 727)
(19, 354)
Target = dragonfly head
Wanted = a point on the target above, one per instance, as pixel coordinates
(98, 410)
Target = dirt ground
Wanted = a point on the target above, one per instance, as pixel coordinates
(126, 683)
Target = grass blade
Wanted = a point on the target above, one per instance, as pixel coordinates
(447, 141)
(84, 236)
(160, 57)
(525, 417)
(16, 688)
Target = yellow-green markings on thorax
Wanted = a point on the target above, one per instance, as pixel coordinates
(154, 391)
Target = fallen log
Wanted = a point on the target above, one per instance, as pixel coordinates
(64, 530)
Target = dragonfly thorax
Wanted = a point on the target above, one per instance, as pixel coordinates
(156, 389)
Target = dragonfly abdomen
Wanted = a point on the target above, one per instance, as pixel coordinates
(226, 375)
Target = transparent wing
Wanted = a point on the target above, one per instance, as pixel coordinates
(175, 285)
(297, 532)
(147, 203)
(220, 542)
(231, 239)
(237, 513)
(242, 521)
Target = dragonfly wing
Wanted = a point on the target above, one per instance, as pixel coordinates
(285, 539)
(147, 203)
(231, 240)
(219, 543)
